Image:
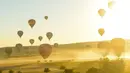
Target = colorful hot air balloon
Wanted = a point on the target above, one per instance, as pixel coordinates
(46, 17)
(45, 50)
(118, 45)
(20, 33)
(110, 4)
(56, 45)
(101, 12)
(104, 48)
(40, 38)
(18, 46)
(101, 31)
(31, 41)
(49, 35)
(31, 22)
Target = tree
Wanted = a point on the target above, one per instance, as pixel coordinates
(93, 70)
(45, 60)
(46, 70)
(68, 71)
(19, 72)
(11, 71)
(38, 61)
(8, 51)
(113, 67)
(77, 72)
(50, 60)
(62, 67)
(1, 71)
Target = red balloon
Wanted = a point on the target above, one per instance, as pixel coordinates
(45, 50)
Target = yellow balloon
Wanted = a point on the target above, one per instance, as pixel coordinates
(101, 31)
(101, 12)
(118, 45)
(110, 4)
(118, 42)
(104, 48)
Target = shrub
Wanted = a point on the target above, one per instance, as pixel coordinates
(19, 72)
(45, 60)
(0, 71)
(38, 61)
(68, 71)
(77, 72)
(93, 70)
(50, 60)
(46, 70)
(62, 67)
(11, 71)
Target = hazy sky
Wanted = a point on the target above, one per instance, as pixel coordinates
(69, 20)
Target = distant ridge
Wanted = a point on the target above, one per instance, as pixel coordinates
(69, 45)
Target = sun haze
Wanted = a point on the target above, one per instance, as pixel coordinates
(69, 20)
(115, 21)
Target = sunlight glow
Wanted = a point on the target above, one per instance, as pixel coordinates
(89, 55)
(93, 56)
(116, 22)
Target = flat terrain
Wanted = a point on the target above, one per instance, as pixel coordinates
(32, 66)
(80, 61)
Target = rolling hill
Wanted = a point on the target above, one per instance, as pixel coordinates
(33, 50)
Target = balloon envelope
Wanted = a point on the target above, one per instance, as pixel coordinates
(31, 22)
(49, 35)
(8, 50)
(31, 41)
(101, 12)
(110, 4)
(118, 42)
(45, 50)
(55, 44)
(40, 38)
(118, 45)
(101, 31)
(20, 33)
(18, 46)
(104, 48)
(46, 17)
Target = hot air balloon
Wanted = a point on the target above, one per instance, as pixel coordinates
(46, 17)
(45, 50)
(110, 4)
(101, 31)
(20, 33)
(118, 45)
(101, 12)
(31, 41)
(104, 48)
(8, 51)
(49, 35)
(40, 38)
(56, 45)
(31, 22)
(18, 46)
